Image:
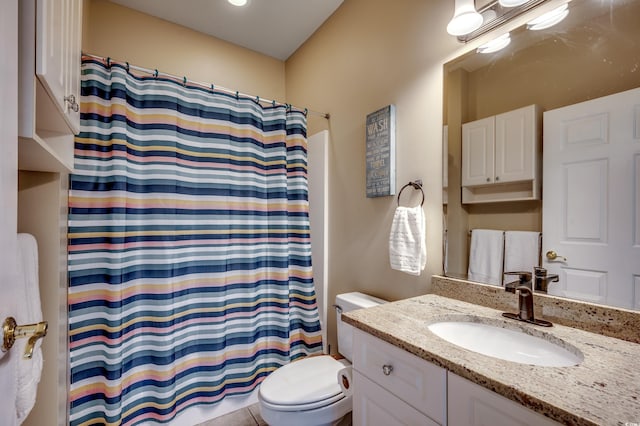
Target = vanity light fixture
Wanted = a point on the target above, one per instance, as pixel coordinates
(549, 19)
(494, 14)
(238, 3)
(496, 44)
(466, 18)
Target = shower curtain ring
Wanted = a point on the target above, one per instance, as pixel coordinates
(257, 99)
(237, 93)
(155, 73)
(273, 103)
(127, 66)
(184, 81)
(108, 62)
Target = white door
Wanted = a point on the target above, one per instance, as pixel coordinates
(8, 195)
(591, 202)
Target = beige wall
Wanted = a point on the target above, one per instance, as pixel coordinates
(372, 53)
(111, 30)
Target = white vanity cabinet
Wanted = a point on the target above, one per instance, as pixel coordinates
(501, 157)
(394, 387)
(49, 83)
(470, 404)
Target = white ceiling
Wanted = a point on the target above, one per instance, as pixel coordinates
(273, 27)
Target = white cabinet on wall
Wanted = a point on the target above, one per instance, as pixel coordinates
(58, 51)
(394, 387)
(501, 157)
(472, 405)
(49, 83)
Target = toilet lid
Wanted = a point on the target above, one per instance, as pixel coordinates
(302, 383)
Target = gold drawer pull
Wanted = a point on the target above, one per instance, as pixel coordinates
(12, 331)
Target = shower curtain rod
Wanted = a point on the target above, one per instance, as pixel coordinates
(156, 73)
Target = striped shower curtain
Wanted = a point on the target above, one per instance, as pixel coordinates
(189, 249)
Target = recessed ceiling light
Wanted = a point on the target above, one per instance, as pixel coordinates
(238, 2)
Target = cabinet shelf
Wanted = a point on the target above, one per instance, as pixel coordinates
(514, 191)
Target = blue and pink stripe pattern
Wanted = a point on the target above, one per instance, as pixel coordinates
(189, 247)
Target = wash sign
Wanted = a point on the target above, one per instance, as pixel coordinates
(381, 152)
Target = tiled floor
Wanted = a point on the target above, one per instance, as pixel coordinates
(249, 416)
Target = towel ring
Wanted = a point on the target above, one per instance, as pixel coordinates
(416, 185)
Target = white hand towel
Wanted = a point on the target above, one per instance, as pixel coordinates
(485, 256)
(407, 247)
(521, 252)
(29, 370)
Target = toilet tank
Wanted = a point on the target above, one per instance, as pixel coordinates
(346, 302)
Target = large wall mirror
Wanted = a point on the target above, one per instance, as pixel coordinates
(593, 53)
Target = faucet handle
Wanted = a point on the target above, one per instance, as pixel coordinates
(523, 276)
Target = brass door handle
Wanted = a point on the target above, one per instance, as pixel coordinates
(552, 255)
(12, 331)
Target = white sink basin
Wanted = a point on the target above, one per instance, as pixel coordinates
(508, 344)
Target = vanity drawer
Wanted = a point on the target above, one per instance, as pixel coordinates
(415, 381)
(375, 406)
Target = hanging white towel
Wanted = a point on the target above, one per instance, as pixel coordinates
(407, 247)
(30, 311)
(485, 256)
(521, 252)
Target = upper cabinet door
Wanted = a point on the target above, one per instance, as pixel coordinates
(516, 141)
(58, 50)
(74, 62)
(478, 152)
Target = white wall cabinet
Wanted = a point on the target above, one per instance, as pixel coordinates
(472, 405)
(501, 157)
(394, 387)
(49, 83)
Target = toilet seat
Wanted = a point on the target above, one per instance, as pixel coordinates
(308, 384)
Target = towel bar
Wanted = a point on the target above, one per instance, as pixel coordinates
(12, 331)
(416, 185)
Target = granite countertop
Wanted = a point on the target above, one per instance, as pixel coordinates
(602, 390)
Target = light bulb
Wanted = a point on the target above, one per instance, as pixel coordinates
(466, 18)
(549, 19)
(238, 2)
(496, 44)
(511, 3)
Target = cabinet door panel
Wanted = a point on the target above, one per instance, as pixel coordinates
(478, 152)
(413, 380)
(470, 404)
(516, 136)
(374, 406)
(51, 28)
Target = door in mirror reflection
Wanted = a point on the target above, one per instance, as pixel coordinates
(590, 204)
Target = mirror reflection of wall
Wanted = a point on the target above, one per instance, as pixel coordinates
(594, 52)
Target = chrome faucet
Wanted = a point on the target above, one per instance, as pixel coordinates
(525, 299)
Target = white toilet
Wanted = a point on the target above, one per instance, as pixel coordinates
(307, 392)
